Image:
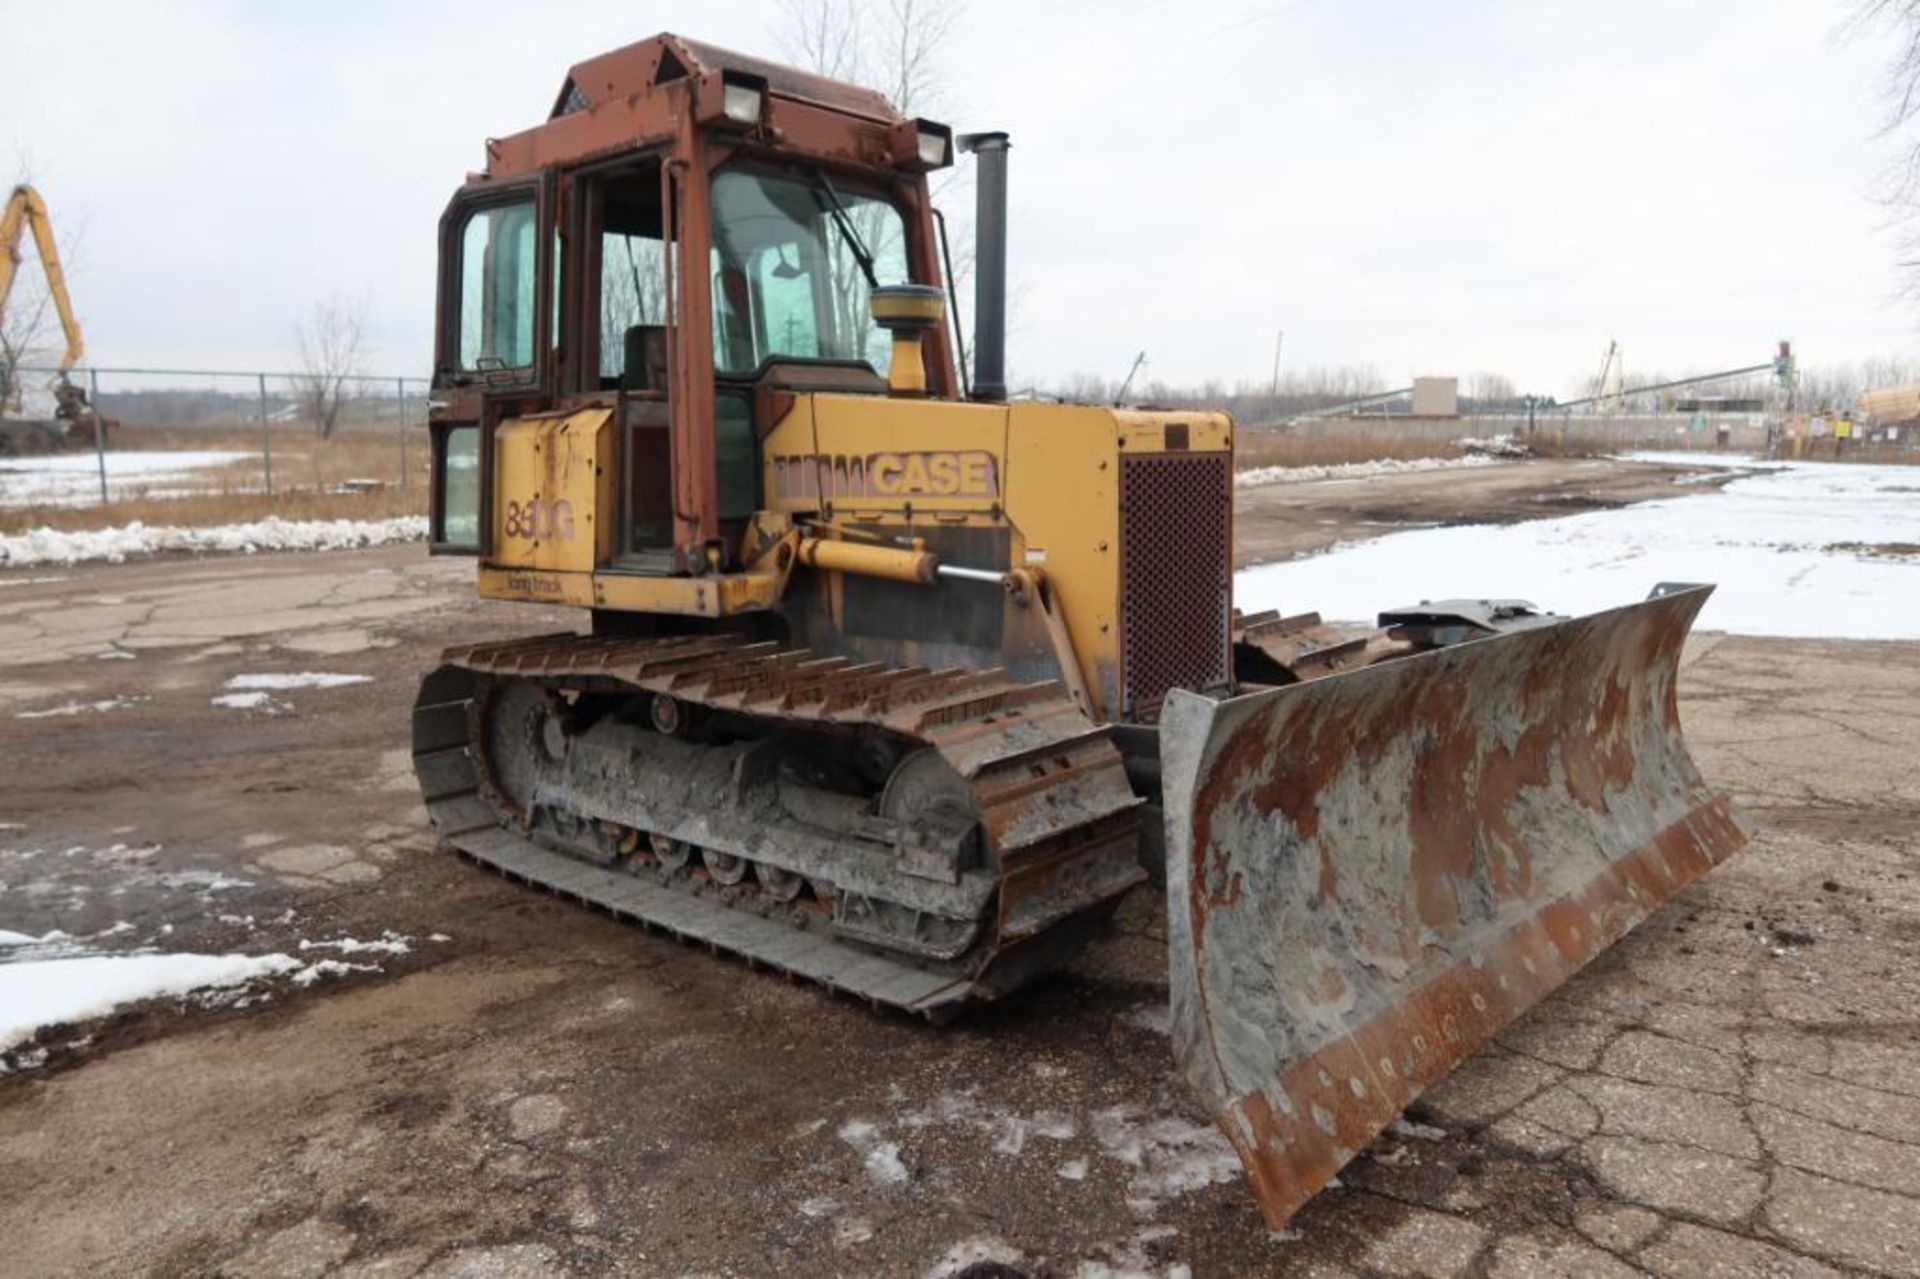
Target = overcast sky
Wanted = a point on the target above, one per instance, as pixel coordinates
(1423, 187)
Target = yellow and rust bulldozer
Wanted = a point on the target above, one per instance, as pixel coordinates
(893, 684)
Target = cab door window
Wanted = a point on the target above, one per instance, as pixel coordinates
(499, 287)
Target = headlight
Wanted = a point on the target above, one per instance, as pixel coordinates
(920, 145)
(741, 103)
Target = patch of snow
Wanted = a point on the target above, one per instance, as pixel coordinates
(1172, 1155)
(1493, 446)
(58, 991)
(313, 972)
(389, 944)
(978, 1251)
(1073, 1170)
(73, 479)
(1008, 1130)
(1682, 457)
(256, 701)
(54, 546)
(115, 655)
(305, 679)
(1405, 1127)
(1777, 544)
(880, 1158)
(847, 1231)
(76, 708)
(27, 939)
(1257, 476)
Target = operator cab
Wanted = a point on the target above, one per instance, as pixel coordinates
(567, 281)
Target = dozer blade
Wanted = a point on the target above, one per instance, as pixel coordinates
(1370, 875)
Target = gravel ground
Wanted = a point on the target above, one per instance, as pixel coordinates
(1734, 1090)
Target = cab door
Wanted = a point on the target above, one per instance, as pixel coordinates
(495, 331)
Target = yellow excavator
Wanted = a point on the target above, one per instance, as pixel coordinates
(892, 683)
(74, 420)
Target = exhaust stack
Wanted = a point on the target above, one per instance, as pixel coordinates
(989, 264)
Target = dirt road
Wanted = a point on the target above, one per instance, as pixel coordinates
(530, 1089)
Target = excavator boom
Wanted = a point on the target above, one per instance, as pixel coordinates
(25, 209)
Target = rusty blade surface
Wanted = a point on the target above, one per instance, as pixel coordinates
(1369, 875)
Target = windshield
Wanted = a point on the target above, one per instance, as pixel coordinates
(786, 280)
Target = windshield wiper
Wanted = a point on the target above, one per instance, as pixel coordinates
(830, 204)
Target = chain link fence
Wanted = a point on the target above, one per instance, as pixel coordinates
(263, 440)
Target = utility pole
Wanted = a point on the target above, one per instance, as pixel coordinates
(1278, 341)
(1121, 395)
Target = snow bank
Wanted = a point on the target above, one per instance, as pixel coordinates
(1789, 547)
(1360, 470)
(73, 479)
(52, 546)
(58, 991)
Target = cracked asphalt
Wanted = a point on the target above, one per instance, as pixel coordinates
(1734, 1090)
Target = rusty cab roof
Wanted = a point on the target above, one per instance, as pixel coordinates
(626, 98)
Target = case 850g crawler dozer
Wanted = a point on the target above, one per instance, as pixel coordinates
(897, 686)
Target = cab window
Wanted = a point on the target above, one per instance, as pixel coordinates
(786, 278)
(499, 274)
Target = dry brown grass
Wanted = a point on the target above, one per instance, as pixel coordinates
(299, 457)
(1254, 447)
(217, 508)
(304, 469)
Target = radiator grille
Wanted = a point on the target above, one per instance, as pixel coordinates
(1176, 563)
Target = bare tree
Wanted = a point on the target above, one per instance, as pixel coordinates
(331, 348)
(1901, 183)
(824, 36)
(895, 47)
(1487, 390)
(914, 32)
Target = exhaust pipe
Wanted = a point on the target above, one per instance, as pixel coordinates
(989, 264)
